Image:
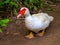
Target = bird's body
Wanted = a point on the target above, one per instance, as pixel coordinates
(35, 22)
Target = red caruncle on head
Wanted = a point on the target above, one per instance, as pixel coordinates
(22, 11)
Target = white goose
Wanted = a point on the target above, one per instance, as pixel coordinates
(35, 22)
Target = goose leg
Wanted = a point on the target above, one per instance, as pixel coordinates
(30, 35)
(41, 33)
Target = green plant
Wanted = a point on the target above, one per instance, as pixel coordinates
(8, 5)
(3, 23)
(32, 4)
(0, 30)
(35, 4)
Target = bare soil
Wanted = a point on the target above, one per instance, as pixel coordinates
(14, 32)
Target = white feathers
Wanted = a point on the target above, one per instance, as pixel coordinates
(37, 22)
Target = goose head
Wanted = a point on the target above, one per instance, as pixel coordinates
(23, 11)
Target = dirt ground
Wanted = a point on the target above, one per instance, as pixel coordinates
(14, 33)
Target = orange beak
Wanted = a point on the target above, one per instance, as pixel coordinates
(19, 16)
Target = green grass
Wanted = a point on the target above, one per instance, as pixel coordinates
(3, 23)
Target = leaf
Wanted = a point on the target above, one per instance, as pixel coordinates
(25, 3)
(15, 11)
(35, 7)
(41, 3)
(49, 9)
(33, 1)
(4, 21)
(31, 7)
(1, 4)
(3, 24)
(4, 2)
(7, 1)
(14, 4)
(0, 30)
